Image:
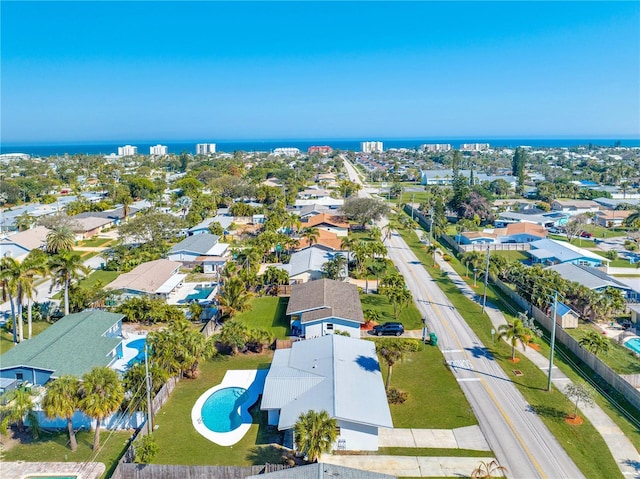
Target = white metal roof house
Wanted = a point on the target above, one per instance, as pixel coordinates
(334, 373)
(306, 265)
(575, 207)
(323, 307)
(550, 252)
(595, 280)
(20, 244)
(200, 249)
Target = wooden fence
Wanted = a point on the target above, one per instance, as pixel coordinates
(159, 471)
(613, 379)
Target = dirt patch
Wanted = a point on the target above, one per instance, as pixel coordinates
(514, 360)
(534, 346)
(573, 420)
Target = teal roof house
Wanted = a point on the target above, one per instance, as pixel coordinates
(73, 345)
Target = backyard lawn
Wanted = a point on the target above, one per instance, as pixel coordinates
(54, 448)
(105, 277)
(180, 443)
(267, 313)
(409, 315)
(94, 242)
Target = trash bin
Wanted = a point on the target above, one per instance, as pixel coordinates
(433, 339)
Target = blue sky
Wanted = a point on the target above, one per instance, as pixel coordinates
(81, 71)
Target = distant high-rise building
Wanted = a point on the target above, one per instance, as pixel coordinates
(286, 151)
(127, 150)
(371, 146)
(322, 150)
(205, 148)
(158, 150)
(474, 147)
(435, 147)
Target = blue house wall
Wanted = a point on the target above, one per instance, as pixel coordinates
(32, 375)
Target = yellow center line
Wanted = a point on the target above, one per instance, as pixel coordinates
(482, 381)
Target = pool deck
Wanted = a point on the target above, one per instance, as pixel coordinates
(128, 353)
(82, 470)
(253, 382)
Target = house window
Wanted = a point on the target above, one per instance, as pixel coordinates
(19, 376)
(329, 327)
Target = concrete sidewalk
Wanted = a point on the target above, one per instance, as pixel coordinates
(469, 437)
(622, 450)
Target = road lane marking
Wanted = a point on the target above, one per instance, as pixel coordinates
(461, 380)
(503, 413)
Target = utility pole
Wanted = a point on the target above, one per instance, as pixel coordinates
(553, 337)
(148, 381)
(486, 279)
(431, 225)
(413, 195)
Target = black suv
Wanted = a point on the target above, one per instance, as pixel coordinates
(395, 329)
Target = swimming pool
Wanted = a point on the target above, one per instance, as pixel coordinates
(139, 345)
(199, 293)
(221, 411)
(633, 344)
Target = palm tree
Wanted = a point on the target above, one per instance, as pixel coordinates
(24, 221)
(67, 267)
(431, 249)
(391, 351)
(487, 470)
(62, 400)
(515, 333)
(34, 264)
(311, 234)
(233, 297)
(315, 433)
(348, 242)
(184, 203)
(101, 393)
(375, 233)
(8, 266)
(60, 240)
(19, 404)
(595, 342)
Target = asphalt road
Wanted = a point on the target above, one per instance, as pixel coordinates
(517, 436)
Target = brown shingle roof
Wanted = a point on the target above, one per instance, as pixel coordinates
(31, 239)
(325, 298)
(325, 238)
(332, 220)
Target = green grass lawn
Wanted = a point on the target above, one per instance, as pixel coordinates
(619, 358)
(616, 263)
(95, 242)
(54, 448)
(512, 255)
(105, 277)
(421, 374)
(601, 232)
(409, 315)
(6, 337)
(267, 313)
(583, 443)
(180, 443)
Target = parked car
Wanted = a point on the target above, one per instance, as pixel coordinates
(586, 234)
(393, 329)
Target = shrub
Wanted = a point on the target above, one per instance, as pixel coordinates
(396, 396)
(146, 449)
(446, 257)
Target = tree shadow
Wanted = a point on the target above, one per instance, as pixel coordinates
(633, 463)
(480, 352)
(260, 455)
(547, 411)
(368, 363)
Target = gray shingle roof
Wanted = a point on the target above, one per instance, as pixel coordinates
(199, 244)
(325, 298)
(338, 374)
(73, 345)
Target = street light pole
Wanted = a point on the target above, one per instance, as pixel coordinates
(486, 279)
(553, 337)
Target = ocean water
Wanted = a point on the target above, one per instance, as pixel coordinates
(229, 146)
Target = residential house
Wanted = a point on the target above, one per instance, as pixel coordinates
(203, 226)
(332, 373)
(89, 226)
(19, 245)
(550, 252)
(155, 278)
(595, 280)
(611, 218)
(635, 313)
(331, 203)
(201, 249)
(326, 239)
(332, 223)
(476, 237)
(311, 210)
(322, 470)
(575, 207)
(325, 306)
(533, 215)
(306, 265)
(313, 193)
(72, 345)
(513, 233)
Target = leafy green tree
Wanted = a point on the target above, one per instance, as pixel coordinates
(518, 163)
(315, 433)
(134, 384)
(273, 276)
(515, 333)
(363, 210)
(595, 342)
(153, 228)
(67, 267)
(62, 400)
(215, 228)
(234, 335)
(101, 393)
(146, 448)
